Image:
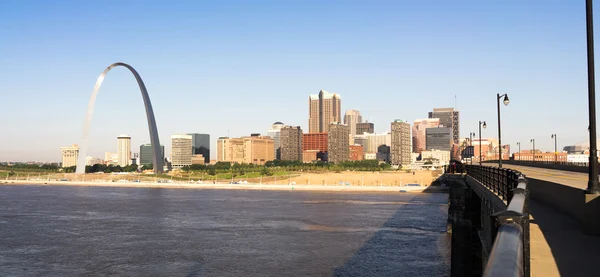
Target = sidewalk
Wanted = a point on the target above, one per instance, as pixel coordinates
(558, 247)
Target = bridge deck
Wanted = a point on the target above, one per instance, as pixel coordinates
(558, 247)
(568, 178)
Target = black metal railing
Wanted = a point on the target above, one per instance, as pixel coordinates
(509, 255)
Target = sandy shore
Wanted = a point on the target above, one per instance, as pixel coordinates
(299, 187)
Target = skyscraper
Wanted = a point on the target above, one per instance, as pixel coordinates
(400, 148)
(418, 133)
(146, 153)
(201, 145)
(338, 145)
(448, 118)
(323, 109)
(124, 150)
(351, 118)
(274, 134)
(365, 127)
(291, 143)
(181, 150)
(70, 155)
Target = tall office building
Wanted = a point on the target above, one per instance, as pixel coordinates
(439, 138)
(255, 149)
(147, 154)
(418, 133)
(124, 150)
(201, 145)
(338, 145)
(274, 133)
(351, 118)
(365, 127)
(449, 118)
(323, 109)
(400, 148)
(70, 155)
(181, 150)
(291, 143)
(372, 142)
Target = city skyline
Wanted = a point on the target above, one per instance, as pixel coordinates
(470, 51)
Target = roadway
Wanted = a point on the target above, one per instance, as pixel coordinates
(567, 178)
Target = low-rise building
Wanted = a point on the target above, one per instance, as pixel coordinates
(254, 149)
(357, 153)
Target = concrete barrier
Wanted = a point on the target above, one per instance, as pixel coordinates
(566, 199)
(564, 167)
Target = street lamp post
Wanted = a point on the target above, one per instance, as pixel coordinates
(505, 101)
(484, 125)
(471, 135)
(519, 144)
(533, 140)
(593, 186)
(555, 149)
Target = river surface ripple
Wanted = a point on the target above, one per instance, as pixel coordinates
(100, 231)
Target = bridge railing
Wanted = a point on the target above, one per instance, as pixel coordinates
(509, 255)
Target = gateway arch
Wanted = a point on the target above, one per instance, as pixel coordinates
(157, 159)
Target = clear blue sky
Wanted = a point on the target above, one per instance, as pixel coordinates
(238, 66)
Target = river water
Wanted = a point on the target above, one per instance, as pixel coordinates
(101, 231)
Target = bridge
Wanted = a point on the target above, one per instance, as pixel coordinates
(559, 236)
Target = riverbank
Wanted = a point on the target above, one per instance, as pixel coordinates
(249, 186)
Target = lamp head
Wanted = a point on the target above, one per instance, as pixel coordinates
(506, 101)
(552, 136)
(484, 125)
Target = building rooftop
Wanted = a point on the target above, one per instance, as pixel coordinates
(326, 95)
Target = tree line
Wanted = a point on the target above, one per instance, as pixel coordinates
(364, 165)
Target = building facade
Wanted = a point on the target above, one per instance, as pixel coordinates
(400, 145)
(291, 143)
(147, 153)
(324, 109)
(528, 155)
(365, 127)
(442, 157)
(181, 150)
(314, 141)
(338, 147)
(449, 118)
(124, 150)
(439, 138)
(255, 149)
(357, 153)
(274, 133)
(70, 154)
(352, 118)
(230, 150)
(92, 161)
(419, 139)
(201, 145)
